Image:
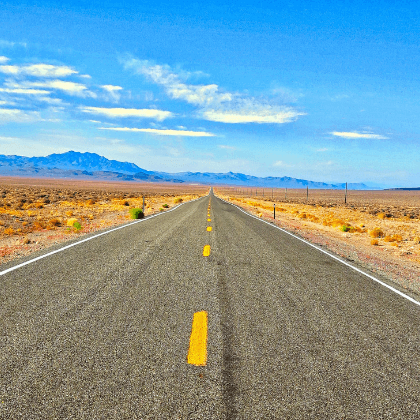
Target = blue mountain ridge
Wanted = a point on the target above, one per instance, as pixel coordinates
(93, 166)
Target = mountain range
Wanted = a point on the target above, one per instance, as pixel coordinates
(91, 166)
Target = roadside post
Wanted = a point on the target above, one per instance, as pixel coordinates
(274, 211)
(345, 196)
(143, 204)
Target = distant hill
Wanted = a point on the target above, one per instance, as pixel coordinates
(76, 165)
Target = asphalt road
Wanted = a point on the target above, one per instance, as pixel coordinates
(102, 330)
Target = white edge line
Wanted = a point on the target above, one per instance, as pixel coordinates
(327, 253)
(92, 237)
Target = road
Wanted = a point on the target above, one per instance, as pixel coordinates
(103, 330)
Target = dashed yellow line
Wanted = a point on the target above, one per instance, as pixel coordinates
(206, 251)
(197, 353)
(208, 228)
(209, 220)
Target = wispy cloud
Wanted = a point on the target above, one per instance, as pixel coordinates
(38, 70)
(3, 59)
(24, 91)
(282, 164)
(113, 92)
(267, 115)
(184, 133)
(355, 135)
(223, 146)
(18, 116)
(10, 44)
(128, 112)
(70, 88)
(322, 149)
(215, 103)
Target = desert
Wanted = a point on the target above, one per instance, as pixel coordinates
(378, 230)
(37, 213)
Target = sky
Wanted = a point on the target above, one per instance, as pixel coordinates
(324, 91)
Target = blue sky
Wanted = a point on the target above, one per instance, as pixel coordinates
(326, 91)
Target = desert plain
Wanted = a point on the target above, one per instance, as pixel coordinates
(378, 230)
(38, 213)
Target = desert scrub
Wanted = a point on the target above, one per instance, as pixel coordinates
(71, 222)
(136, 213)
(346, 228)
(376, 233)
(165, 206)
(374, 242)
(178, 200)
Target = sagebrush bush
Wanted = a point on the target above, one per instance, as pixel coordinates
(165, 206)
(374, 242)
(178, 200)
(136, 213)
(376, 233)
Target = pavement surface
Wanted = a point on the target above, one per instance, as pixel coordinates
(103, 330)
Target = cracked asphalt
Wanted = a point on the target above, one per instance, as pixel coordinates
(101, 330)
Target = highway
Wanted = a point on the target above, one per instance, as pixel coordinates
(104, 329)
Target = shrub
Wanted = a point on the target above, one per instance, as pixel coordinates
(376, 233)
(9, 231)
(346, 228)
(165, 206)
(381, 215)
(55, 222)
(77, 226)
(136, 213)
(393, 238)
(178, 200)
(374, 242)
(71, 222)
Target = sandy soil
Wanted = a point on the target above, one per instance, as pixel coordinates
(379, 230)
(38, 213)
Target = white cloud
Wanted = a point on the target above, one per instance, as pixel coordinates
(70, 88)
(268, 115)
(9, 44)
(355, 135)
(128, 112)
(24, 91)
(3, 59)
(113, 92)
(216, 104)
(282, 164)
(322, 149)
(184, 133)
(17, 115)
(223, 146)
(85, 76)
(38, 70)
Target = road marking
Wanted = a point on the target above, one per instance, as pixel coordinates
(327, 253)
(206, 251)
(209, 220)
(209, 229)
(92, 237)
(197, 353)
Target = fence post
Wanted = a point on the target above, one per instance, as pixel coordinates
(285, 194)
(143, 204)
(345, 196)
(274, 211)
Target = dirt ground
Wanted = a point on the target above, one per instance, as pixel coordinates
(378, 229)
(37, 213)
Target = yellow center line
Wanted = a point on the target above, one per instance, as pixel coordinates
(197, 353)
(209, 229)
(206, 251)
(209, 220)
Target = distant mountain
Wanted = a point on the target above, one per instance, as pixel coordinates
(232, 178)
(73, 161)
(76, 165)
